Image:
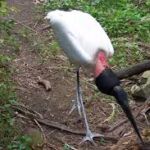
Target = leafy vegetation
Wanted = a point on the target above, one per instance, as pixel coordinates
(10, 138)
(20, 143)
(127, 22)
(3, 6)
(46, 50)
(7, 40)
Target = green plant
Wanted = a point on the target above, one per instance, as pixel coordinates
(68, 147)
(102, 141)
(3, 8)
(8, 133)
(47, 50)
(6, 99)
(7, 40)
(20, 143)
(10, 138)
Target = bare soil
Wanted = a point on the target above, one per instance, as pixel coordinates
(55, 104)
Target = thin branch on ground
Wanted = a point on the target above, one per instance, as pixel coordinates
(21, 23)
(29, 111)
(51, 146)
(41, 129)
(146, 111)
(46, 28)
(147, 46)
(46, 143)
(70, 147)
(112, 114)
(125, 120)
(56, 125)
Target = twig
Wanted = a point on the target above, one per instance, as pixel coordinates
(44, 136)
(46, 28)
(60, 127)
(66, 129)
(124, 121)
(41, 129)
(57, 125)
(112, 114)
(36, 23)
(51, 146)
(117, 125)
(32, 112)
(145, 111)
(18, 22)
(144, 45)
(70, 147)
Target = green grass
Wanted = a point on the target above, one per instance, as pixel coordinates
(126, 21)
(7, 39)
(10, 137)
(45, 50)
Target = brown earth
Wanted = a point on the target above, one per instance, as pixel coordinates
(54, 105)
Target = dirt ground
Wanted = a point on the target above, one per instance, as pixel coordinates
(55, 104)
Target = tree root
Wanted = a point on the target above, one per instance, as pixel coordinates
(133, 70)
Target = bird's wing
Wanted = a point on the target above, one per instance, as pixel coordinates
(89, 33)
(71, 45)
(79, 55)
(80, 35)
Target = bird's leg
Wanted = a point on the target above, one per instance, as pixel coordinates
(76, 105)
(89, 135)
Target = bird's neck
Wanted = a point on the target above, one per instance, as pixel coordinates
(101, 63)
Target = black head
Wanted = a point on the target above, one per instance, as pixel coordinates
(108, 83)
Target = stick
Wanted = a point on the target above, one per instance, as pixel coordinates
(41, 129)
(46, 28)
(57, 125)
(51, 146)
(124, 121)
(144, 45)
(44, 136)
(133, 70)
(112, 114)
(29, 111)
(18, 22)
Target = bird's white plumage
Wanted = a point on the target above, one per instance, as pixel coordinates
(80, 36)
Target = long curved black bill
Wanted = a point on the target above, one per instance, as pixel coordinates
(108, 83)
(122, 100)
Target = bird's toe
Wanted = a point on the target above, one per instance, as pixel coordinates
(90, 137)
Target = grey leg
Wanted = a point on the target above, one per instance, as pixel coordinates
(76, 105)
(89, 135)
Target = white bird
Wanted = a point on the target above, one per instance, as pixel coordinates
(87, 45)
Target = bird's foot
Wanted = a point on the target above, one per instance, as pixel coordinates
(90, 137)
(76, 106)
